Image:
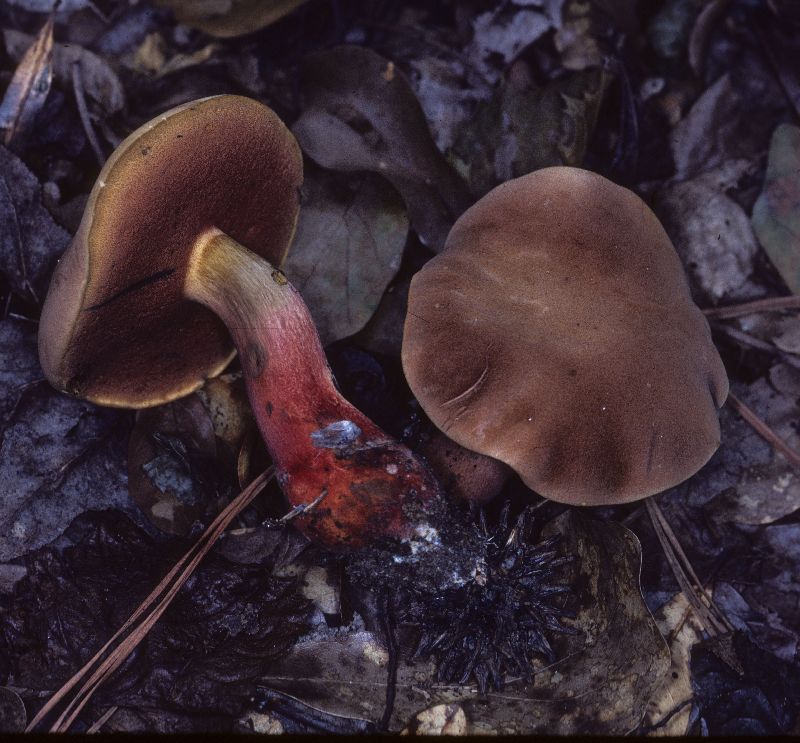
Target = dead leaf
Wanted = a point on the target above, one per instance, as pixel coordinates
(200, 663)
(347, 248)
(710, 231)
(669, 29)
(126, 30)
(151, 54)
(58, 457)
(45, 6)
(602, 681)
(731, 120)
(757, 696)
(30, 241)
(226, 403)
(605, 679)
(499, 35)
(519, 131)
(780, 44)
(10, 575)
(447, 93)
(767, 591)
(704, 24)
(100, 81)
(788, 337)
(19, 366)
(623, 12)
(361, 114)
(384, 332)
(12, 711)
(29, 87)
(669, 710)
(441, 719)
(577, 39)
(229, 18)
(163, 452)
(776, 214)
(184, 61)
(758, 486)
(764, 625)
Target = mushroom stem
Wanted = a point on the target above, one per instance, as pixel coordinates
(320, 443)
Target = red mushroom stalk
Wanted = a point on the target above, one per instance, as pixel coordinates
(320, 443)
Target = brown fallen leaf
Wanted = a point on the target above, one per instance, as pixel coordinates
(229, 18)
(361, 114)
(347, 248)
(29, 87)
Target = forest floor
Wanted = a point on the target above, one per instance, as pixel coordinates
(684, 608)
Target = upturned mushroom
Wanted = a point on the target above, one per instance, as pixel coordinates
(177, 254)
(556, 333)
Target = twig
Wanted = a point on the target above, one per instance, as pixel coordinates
(83, 111)
(763, 430)
(751, 341)
(102, 720)
(708, 613)
(770, 304)
(159, 599)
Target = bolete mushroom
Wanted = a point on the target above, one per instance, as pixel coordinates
(556, 333)
(178, 247)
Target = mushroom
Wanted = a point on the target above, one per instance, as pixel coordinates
(178, 247)
(461, 472)
(556, 333)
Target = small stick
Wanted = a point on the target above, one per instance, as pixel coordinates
(770, 304)
(763, 430)
(102, 720)
(83, 111)
(752, 342)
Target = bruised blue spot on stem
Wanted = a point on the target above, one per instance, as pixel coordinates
(337, 435)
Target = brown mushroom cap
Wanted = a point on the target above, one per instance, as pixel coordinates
(115, 327)
(556, 333)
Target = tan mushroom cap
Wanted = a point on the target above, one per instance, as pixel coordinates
(556, 333)
(115, 327)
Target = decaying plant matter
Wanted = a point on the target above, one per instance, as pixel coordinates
(492, 627)
(549, 330)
